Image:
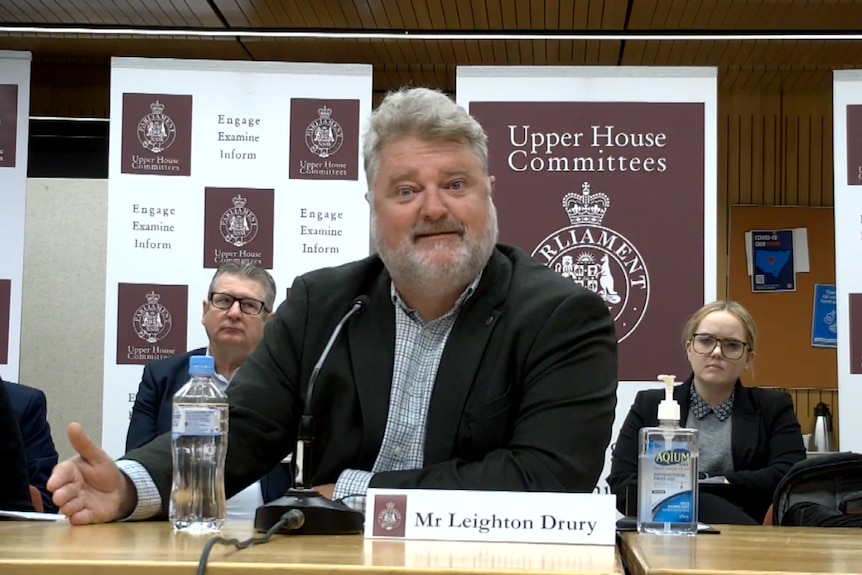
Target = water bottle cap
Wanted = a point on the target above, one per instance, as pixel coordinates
(201, 365)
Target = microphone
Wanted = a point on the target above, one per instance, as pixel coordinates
(322, 516)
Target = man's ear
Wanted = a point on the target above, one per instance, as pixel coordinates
(204, 308)
(269, 316)
(491, 182)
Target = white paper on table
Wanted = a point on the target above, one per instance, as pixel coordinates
(30, 516)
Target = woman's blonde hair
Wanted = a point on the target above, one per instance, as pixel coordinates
(729, 306)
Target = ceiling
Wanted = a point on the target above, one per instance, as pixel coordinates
(746, 64)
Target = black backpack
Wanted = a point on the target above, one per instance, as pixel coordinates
(823, 491)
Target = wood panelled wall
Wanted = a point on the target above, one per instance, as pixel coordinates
(70, 88)
(774, 149)
(804, 401)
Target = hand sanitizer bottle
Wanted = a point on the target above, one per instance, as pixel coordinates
(667, 472)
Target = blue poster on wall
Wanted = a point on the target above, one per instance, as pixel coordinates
(772, 256)
(824, 323)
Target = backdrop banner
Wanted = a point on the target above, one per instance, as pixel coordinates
(608, 177)
(14, 132)
(215, 162)
(847, 133)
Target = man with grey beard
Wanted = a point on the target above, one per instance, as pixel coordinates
(471, 366)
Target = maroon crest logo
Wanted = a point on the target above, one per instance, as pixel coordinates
(599, 258)
(156, 130)
(156, 134)
(324, 135)
(389, 515)
(5, 304)
(151, 322)
(238, 226)
(8, 124)
(324, 139)
(390, 518)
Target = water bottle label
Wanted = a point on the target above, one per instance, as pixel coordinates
(196, 421)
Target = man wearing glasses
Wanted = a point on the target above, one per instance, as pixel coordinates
(239, 302)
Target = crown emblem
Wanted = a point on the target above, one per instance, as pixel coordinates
(324, 113)
(157, 107)
(239, 202)
(586, 207)
(153, 297)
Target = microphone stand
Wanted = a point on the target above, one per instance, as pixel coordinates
(322, 516)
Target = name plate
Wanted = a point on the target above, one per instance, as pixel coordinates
(520, 517)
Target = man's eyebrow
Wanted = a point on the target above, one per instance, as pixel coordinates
(405, 175)
(411, 174)
(459, 171)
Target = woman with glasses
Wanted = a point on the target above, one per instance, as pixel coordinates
(749, 437)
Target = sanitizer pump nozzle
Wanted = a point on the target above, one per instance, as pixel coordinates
(668, 409)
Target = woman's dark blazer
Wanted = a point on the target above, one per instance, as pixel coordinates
(765, 440)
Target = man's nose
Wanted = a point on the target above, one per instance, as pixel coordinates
(434, 204)
(234, 309)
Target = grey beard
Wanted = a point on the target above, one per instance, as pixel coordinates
(409, 271)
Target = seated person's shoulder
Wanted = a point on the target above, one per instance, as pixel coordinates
(175, 362)
(20, 394)
(647, 395)
(771, 399)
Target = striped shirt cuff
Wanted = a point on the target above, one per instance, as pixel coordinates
(149, 501)
(351, 487)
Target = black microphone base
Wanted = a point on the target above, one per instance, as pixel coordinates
(322, 516)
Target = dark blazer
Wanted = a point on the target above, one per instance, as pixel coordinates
(14, 482)
(765, 441)
(31, 412)
(523, 401)
(152, 412)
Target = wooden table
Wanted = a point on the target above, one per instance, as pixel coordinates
(751, 550)
(30, 548)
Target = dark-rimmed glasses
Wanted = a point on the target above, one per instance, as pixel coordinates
(247, 305)
(705, 343)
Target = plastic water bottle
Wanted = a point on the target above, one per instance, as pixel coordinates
(198, 447)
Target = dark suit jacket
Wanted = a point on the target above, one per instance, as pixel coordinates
(31, 412)
(524, 396)
(152, 412)
(765, 441)
(14, 482)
